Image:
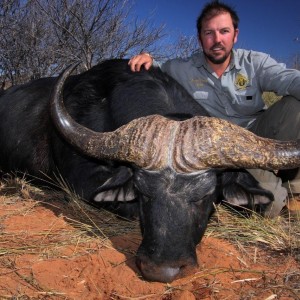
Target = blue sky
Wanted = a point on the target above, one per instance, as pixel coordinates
(269, 26)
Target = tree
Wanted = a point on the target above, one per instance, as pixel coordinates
(185, 46)
(40, 37)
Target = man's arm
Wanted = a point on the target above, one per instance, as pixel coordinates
(274, 76)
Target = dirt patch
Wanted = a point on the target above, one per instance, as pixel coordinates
(49, 249)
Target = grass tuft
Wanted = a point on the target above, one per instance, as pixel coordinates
(281, 234)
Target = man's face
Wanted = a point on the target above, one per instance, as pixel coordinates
(217, 38)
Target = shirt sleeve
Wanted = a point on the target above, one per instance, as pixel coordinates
(165, 66)
(175, 69)
(275, 77)
(156, 63)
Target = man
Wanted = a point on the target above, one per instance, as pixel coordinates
(229, 83)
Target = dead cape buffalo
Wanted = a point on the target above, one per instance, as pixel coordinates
(140, 145)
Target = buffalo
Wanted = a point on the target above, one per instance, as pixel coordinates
(139, 145)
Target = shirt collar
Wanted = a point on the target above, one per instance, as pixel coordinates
(199, 59)
(235, 60)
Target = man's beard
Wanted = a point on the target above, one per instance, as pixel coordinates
(217, 60)
(221, 59)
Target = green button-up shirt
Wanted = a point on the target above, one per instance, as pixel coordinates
(237, 95)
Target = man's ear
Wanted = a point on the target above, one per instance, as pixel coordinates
(236, 33)
(199, 40)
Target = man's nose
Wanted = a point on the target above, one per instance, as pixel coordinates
(217, 37)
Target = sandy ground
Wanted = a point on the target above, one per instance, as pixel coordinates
(47, 252)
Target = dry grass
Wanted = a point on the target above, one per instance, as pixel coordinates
(88, 224)
(91, 225)
(280, 234)
(270, 98)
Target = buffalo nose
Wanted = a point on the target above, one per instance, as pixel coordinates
(163, 273)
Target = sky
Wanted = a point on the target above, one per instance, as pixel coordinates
(270, 26)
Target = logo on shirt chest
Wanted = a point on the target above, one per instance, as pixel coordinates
(241, 81)
(199, 82)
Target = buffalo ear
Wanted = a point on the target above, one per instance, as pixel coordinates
(118, 187)
(240, 188)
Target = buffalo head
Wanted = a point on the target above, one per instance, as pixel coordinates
(175, 166)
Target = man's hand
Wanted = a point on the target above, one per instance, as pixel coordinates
(137, 61)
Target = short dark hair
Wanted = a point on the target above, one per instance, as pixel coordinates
(214, 8)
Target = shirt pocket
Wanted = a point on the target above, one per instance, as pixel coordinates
(247, 101)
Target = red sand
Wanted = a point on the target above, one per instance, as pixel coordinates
(91, 270)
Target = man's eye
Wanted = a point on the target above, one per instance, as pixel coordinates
(224, 31)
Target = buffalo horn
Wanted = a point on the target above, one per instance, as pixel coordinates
(155, 142)
(205, 142)
(143, 141)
